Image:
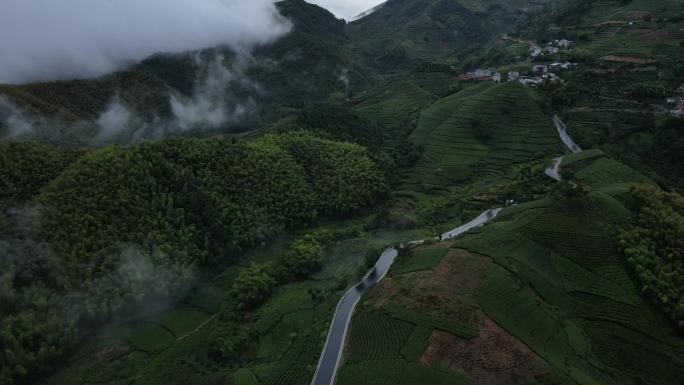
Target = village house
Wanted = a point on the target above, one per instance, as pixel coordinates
(497, 77)
(678, 110)
(478, 74)
(564, 43)
(513, 75)
(530, 82)
(535, 51)
(553, 78)
(550, 50)
(540, 69)
(561, 66)
(482, 196)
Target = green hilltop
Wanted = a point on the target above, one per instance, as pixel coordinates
(219, 256)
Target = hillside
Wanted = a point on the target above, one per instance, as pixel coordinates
(405, 32)
(630, 56)
(481, 131)
(212, 216)
(538, 297)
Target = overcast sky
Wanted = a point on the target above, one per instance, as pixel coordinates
(58, 39)
(44, 40)
(347, 9)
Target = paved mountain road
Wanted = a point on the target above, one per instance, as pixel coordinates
(334, 345)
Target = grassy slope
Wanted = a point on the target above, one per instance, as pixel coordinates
(521, 134)
(608, 22)
(604, 114)
(289, 330)
(554, 281)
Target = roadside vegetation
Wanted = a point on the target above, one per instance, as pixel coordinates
(221, 260)
(120, 226)
(653, 248)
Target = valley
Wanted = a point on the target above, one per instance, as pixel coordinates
(358, 203)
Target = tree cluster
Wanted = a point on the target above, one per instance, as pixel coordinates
(654, 249)
(118, 225)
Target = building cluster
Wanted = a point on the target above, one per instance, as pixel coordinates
(677, 103)
(480, 75)
(533, 81)
(540, 73)
(551, 48)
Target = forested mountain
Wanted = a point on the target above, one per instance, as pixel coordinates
(106, 229)
(403, 33)
(197, 216)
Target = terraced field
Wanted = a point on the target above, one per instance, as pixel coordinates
(454, 152)
(613, 35)
(437, 83)
(377, 336)
(554, 305)
(172, 347)
(394, 105)
(559, 285)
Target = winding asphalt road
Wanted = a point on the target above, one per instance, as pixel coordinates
(332, 352)
(563, 133)
(334, 345)
(554, 171)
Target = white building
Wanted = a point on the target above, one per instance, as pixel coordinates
(513, 75)
(564, 43)
(561, 66)
(535, 51)
(540, 69)
(497, 77)
(550, 50)
(480, 73)
(553, 78)
(530, 82)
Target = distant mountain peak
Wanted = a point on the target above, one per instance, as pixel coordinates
(369, 11)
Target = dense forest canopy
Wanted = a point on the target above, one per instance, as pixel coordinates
(98, 232)
(355, 136)
(654, 249)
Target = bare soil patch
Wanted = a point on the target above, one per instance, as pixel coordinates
(111, 352)
(383, 292)
(650, 68)
(628, 59)
(637, 15)
(449, 290)
(612, 22)
(657, 36)
(494, 357)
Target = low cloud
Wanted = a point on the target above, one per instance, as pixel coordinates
(223, 96)
(44, 40)
(213, 103)
(113, 122)
(13, 123)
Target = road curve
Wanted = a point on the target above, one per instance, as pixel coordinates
(563, 133)
(334, 345)
(554, 170)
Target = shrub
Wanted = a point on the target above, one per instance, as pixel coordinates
(254, 285)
